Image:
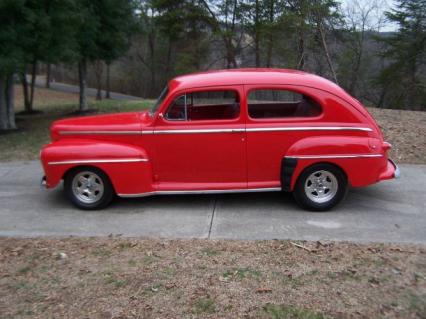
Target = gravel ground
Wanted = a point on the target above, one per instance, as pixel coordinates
(406, 131)
(135, 278)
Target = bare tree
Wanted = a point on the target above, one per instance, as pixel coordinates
(361, 17)
(223, 20)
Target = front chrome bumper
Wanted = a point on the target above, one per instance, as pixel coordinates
(397, 173)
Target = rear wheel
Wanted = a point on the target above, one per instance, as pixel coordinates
(88, 188)
(320, 187)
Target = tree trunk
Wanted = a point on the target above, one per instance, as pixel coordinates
(3, 110)
(27, 102)
(271, 36)
(301, 52)
(108, 93)
(257, 35)
(48, 75)
(10, 102)
(7, 114)
(231, 62)
(98, 73)
(82, 75)
(327, 54)
(33, 78)
(359, 52)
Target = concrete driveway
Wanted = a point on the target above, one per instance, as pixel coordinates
(392, 211)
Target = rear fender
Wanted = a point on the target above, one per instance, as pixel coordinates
(128, 166)
(361, 158)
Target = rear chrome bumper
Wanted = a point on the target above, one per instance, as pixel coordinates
(43, 182)
(391, 171)
(397, 173)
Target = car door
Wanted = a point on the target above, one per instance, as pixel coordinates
(200, 141)
(277, 117)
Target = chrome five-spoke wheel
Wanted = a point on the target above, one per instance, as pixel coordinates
(88, 188)
(320, 187)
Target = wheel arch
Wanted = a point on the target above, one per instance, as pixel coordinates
(302, 165)
(127, 166)
(88, 167)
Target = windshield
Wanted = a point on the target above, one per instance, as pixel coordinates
(160, 100)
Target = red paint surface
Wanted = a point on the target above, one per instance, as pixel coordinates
(226, 160)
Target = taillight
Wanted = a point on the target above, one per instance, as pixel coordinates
(386, 146)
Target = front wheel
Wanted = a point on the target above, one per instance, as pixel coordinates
(88, 188)
(320, 187)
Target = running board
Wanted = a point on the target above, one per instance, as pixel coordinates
(207, 191)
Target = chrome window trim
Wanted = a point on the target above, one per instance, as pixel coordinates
(89, 161)
(207, 191)
(309, 128)
(100, 132)
(334, 156)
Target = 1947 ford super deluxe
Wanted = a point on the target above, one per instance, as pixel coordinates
(244, 130)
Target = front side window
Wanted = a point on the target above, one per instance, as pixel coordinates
(205, 105)
(277, 103)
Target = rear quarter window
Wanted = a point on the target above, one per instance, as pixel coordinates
(279, 103)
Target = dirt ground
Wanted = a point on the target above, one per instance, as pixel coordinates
(406, 131)
(136, 278)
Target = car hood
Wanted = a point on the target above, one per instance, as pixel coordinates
(116, 122)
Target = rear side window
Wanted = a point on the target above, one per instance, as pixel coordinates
(276, 103)
(205, 105)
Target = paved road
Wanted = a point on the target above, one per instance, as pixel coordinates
(392, 211)
(62, 87)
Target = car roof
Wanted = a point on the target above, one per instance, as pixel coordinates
(251, 76)
(260, 76)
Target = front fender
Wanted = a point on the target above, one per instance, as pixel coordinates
(128, 166)
(361, 158)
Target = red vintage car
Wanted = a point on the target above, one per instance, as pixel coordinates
(228, 131)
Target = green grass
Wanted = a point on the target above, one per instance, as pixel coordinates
(209, 252)
(33, 130)
(204, 305)
(241, 273)
(289, 312)
(111, 278)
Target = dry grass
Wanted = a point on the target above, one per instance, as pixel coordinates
(135, 278)
(406, 131)
(45, 97)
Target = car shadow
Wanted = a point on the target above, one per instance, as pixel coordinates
(356, 200)
(186, 201)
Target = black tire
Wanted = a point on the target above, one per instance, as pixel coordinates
(104, 198)
(305, 200)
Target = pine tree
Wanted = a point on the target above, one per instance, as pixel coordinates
(404, 78)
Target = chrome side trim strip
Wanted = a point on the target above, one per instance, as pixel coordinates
(100, 132)
(118, 160)
(309, 128)
(207, 191)
(230, 130)
(334, 156)
(202, 131)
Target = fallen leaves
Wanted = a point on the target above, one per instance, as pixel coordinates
(136, 278)
(263, 290)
